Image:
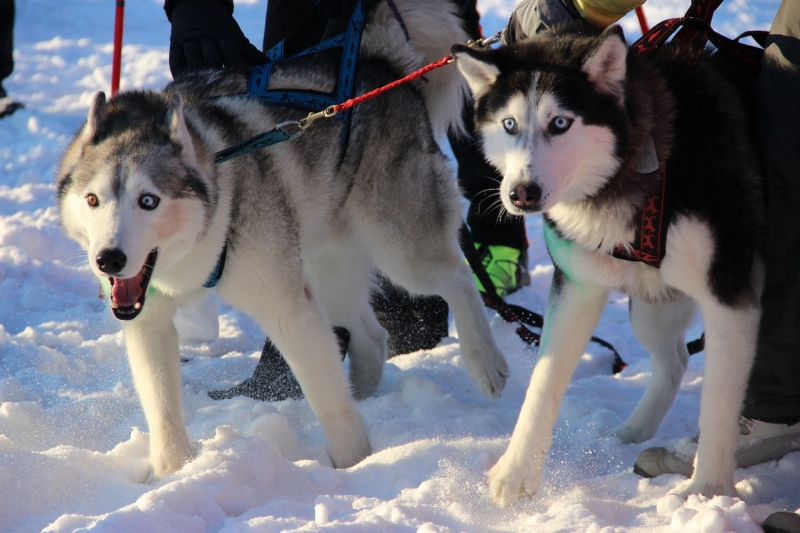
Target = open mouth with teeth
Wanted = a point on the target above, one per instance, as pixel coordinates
(127, 295)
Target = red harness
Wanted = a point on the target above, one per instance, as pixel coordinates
(649, 243)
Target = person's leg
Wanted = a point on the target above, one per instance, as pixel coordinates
(283, 16)
(6, 41)
(774, 391)
(500, 238)
(769, 425)
(7, 104)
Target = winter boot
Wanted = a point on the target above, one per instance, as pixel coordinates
(413, 322)
(782, 522)
(272, 379)
(759, 442)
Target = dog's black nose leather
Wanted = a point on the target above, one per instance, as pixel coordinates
(111, 260)
(526, 197)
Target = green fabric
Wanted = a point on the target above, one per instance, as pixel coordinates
(501, 263)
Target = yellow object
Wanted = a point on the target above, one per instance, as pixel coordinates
(603, 13)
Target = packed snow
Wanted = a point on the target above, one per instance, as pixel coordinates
(73, 439)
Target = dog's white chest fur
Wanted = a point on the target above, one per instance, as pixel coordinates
(582, 246)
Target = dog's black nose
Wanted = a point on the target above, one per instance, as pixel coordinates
(526, 197)
(111, 260)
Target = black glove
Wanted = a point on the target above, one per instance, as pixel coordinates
(204, 34)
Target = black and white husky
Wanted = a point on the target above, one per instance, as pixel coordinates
(305, 226)
(579, 128)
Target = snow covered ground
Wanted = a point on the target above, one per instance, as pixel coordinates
(73, 440)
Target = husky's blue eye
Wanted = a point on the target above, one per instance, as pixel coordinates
(510, 125)
(559, 125)
(148, 201)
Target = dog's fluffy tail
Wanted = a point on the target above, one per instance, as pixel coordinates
(433, 27)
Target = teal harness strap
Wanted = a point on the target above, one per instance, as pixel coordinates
(274, 136)
(216, 274)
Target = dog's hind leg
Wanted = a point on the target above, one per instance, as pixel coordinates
(441, 269)
(341, 279)
(410, 221)
(278, 295)
(152, 342)
(661, 328)
(309, 347)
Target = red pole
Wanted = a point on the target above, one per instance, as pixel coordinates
(642, 20)
(116, 64)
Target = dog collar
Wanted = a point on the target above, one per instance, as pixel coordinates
(216, 274)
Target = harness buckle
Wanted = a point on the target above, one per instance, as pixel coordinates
(328, 112)
(484, 42)
(289, 123)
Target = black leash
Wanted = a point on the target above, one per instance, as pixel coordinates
(515, 313)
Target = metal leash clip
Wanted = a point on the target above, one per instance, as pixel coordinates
(484, 42)
(328, 112)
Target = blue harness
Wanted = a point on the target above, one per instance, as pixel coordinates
(258, 88)
(349, 41)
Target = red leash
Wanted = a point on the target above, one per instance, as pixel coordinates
(347, 104)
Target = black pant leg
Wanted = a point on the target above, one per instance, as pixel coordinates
(6, 40)
(283, 16)
(774, 391)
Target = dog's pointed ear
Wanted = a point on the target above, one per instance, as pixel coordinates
(98, 114)
(476, 68)
(606, 67)
(178, 131)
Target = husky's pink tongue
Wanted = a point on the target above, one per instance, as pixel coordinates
(127, 291)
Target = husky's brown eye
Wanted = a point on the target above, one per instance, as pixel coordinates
(148, 201)
(92, 200)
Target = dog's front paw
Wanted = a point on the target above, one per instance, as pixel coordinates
(513, 477)
(489, 371)
(706, 488)
(628, 434)
(168, 463)
(348, 443)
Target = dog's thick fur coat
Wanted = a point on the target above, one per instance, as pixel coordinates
(567, 117)
(306, 225)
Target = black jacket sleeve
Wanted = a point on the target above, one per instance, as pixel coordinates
(169, 6)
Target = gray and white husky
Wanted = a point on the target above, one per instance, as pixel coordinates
(579, 128)
(306, 225)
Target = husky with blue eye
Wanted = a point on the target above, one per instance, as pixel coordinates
(648, 175)
(302, 226)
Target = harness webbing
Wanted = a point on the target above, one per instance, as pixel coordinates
(650, 239)
(262, 140)
(349, 42)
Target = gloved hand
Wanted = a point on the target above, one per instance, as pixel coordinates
(204, 34)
